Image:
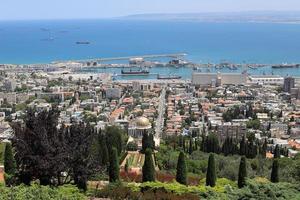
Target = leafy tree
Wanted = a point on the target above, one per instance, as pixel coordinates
(79, 138)
(255, 124)
(242, 172)
(113, 169)
(38, 147)
(148, 167)
(211, 171)
(275, 171)
(181, 173)
(45, 152)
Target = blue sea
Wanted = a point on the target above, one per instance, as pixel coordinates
(25, 42)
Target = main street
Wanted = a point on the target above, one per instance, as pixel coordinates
(160, 119)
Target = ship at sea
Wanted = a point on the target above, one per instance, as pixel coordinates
(83, 42)
(283, 66)
(135, 72)
(168, 77)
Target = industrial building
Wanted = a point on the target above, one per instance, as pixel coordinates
(217, 79)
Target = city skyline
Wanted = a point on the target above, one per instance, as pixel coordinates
(93, 9)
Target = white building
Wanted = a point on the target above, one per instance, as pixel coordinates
(140, 86)
(266, 80)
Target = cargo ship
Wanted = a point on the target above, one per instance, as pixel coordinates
(282, 66)
(168, 77)
(135, 72)
(83, 42)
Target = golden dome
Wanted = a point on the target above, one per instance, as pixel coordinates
(142, 122)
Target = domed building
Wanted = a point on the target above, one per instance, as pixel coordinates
(139, 126)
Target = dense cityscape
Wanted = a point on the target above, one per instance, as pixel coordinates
(150, 100)
(215, 136)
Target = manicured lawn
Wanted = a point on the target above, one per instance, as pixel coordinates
(135, 159)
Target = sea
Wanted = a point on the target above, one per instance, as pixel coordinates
(29, 42)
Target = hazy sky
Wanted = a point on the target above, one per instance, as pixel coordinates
(70, 9)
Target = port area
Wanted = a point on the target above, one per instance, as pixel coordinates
(143, 62)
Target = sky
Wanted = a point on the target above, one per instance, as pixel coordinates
(82, 9)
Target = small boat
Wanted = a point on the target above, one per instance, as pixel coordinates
(168, 77)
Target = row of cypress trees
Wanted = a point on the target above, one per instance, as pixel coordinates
(148, 169)
(211, 178)
(249, 148)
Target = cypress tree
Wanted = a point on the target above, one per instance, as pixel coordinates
(211, 171)
(243, 146)
(242, 173)
(180, 141)
(264, 148)
(145, 140)
(148, 167)
(191, 146)
(113, 166)
(212, 144)
(126, 166)
(275, 172)
(181, 174)
(9, 160)
(277, 152)
(151, 141)
(103, 151)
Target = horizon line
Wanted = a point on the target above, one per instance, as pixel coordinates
(151, 13)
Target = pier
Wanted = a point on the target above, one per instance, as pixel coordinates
(99, 60)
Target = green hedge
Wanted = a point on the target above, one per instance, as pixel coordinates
(258, 188)
(37, 192)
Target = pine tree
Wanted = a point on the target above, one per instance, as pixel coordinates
(277, 151)
(242, 172)
(211, 171)
(9, 160)
(275, 171)
(113, 166)
(148, 167)
(181, 173)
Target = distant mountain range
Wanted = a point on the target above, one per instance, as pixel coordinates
(255, 17)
